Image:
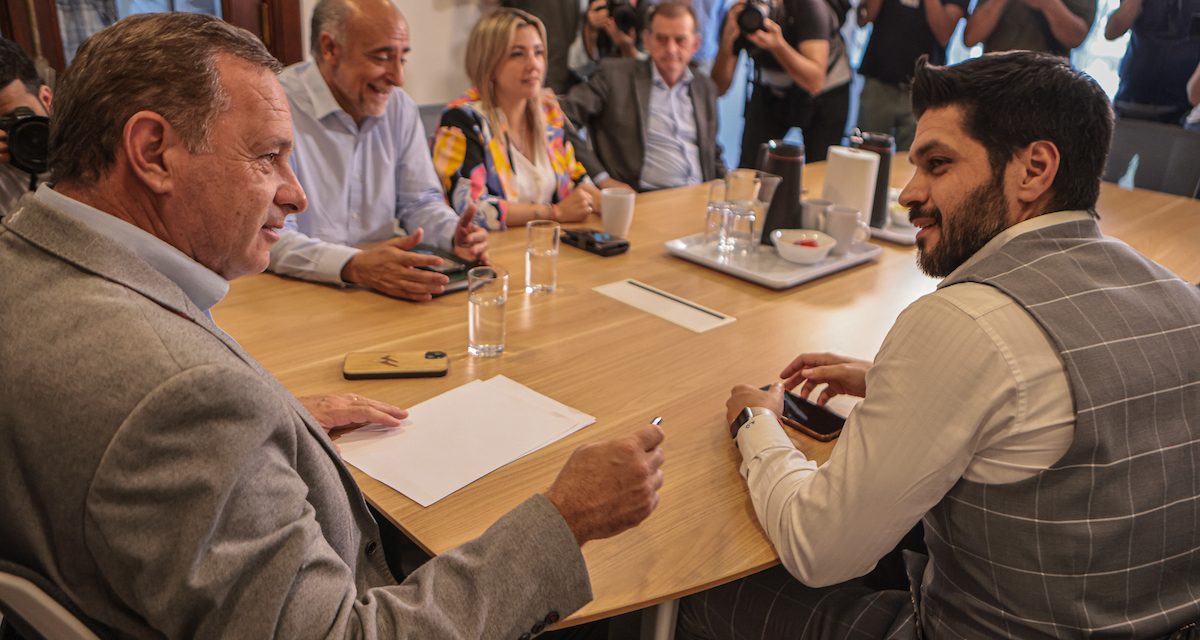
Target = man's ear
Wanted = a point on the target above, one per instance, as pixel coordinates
(329, 48)
(148, 141)
(1039, 164)
(45, 95)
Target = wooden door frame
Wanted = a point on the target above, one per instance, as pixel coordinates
(281, 19)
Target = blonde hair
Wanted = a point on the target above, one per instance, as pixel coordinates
(489, 44)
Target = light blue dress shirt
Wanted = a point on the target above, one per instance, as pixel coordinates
(672, 155)
(202, 286)
(364, 184)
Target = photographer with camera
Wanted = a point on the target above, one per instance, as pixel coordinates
(801, 77)
(24, 125)
(610, 30)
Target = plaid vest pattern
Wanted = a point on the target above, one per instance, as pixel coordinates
(1106, 542)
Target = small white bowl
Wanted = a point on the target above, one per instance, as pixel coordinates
(786, 240)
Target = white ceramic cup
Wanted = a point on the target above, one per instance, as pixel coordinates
(845, 224)
(616, 209)
(812, 213)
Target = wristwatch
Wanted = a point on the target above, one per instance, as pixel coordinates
(742, 418)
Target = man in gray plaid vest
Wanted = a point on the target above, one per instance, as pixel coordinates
(1039, 413)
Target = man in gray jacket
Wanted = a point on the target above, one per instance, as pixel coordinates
(652, 123)
(151, 470)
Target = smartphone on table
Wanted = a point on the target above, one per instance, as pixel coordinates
(367, 365)
(809, 418)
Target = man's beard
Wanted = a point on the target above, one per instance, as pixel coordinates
(982, 218)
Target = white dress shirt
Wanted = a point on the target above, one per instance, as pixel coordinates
(14, 183)
(364, 184)
(672, 155)
(966, 385)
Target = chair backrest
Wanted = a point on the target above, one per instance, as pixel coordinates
(1163, 157)
(431, 117)
(30, 610)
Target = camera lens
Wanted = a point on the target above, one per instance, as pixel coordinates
(753, 17)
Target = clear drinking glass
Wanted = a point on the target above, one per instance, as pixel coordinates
(715, 212)
(739, 229)
(541, 256)
(487, 292)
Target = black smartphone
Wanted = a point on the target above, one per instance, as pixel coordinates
(812, 420)
(597, 242)
(453, 267)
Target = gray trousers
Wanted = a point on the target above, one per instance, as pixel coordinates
(772, 605)
(887, 108)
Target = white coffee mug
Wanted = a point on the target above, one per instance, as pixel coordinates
(616, 209)
(812, 214)
(846, 226)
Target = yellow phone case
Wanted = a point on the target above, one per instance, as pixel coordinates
(362, 365)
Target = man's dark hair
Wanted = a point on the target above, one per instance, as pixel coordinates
(160, 62)
(1014, 98)
(15, 65)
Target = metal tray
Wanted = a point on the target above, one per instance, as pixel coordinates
(764, 266)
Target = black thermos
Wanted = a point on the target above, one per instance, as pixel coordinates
(884, 145)
(786, 160)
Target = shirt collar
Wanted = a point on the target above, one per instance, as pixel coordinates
(657, 80)
(321, 104)
(1025, 226)
(202, 286)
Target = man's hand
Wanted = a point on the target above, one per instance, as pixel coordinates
(597, 14)
(608, 487)
(843, 375)
(744, 395)
(347, 410)
(769, 40)
(4, 157)
(731, 31)
(470, 239)
(391, 268)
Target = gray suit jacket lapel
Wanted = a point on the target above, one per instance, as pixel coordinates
(702, 117)
(74, 243)
(641, 89)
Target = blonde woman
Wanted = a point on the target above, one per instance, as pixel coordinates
(502, 145)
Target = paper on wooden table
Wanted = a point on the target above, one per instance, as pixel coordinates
(453, 439)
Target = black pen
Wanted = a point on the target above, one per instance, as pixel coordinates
(656, 421)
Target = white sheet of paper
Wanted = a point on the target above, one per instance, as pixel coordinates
(665, 305)
(453, 439)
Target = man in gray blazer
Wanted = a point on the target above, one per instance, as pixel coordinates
(652, 123)
(151, 470)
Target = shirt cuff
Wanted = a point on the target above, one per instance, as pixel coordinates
(601, 177)
(333, 260)
(759, 434)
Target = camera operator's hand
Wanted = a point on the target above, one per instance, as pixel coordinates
(4, 157)
(597, 14)
(626, 42)
(770, 39)
(731, 31)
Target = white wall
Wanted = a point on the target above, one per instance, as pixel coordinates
(439, 28)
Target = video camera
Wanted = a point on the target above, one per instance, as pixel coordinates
(754, 16)
(28, 139)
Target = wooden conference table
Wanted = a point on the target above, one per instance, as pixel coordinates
(625, 366)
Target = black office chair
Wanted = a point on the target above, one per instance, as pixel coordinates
(1167, 157)
(34, 609)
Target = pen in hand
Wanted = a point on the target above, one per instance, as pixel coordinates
(656, 421)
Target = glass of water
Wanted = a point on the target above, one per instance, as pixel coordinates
(541, 256)
(487, 291)
(739, 225)
(715, 212)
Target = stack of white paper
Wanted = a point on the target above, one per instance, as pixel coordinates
(452, 440)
